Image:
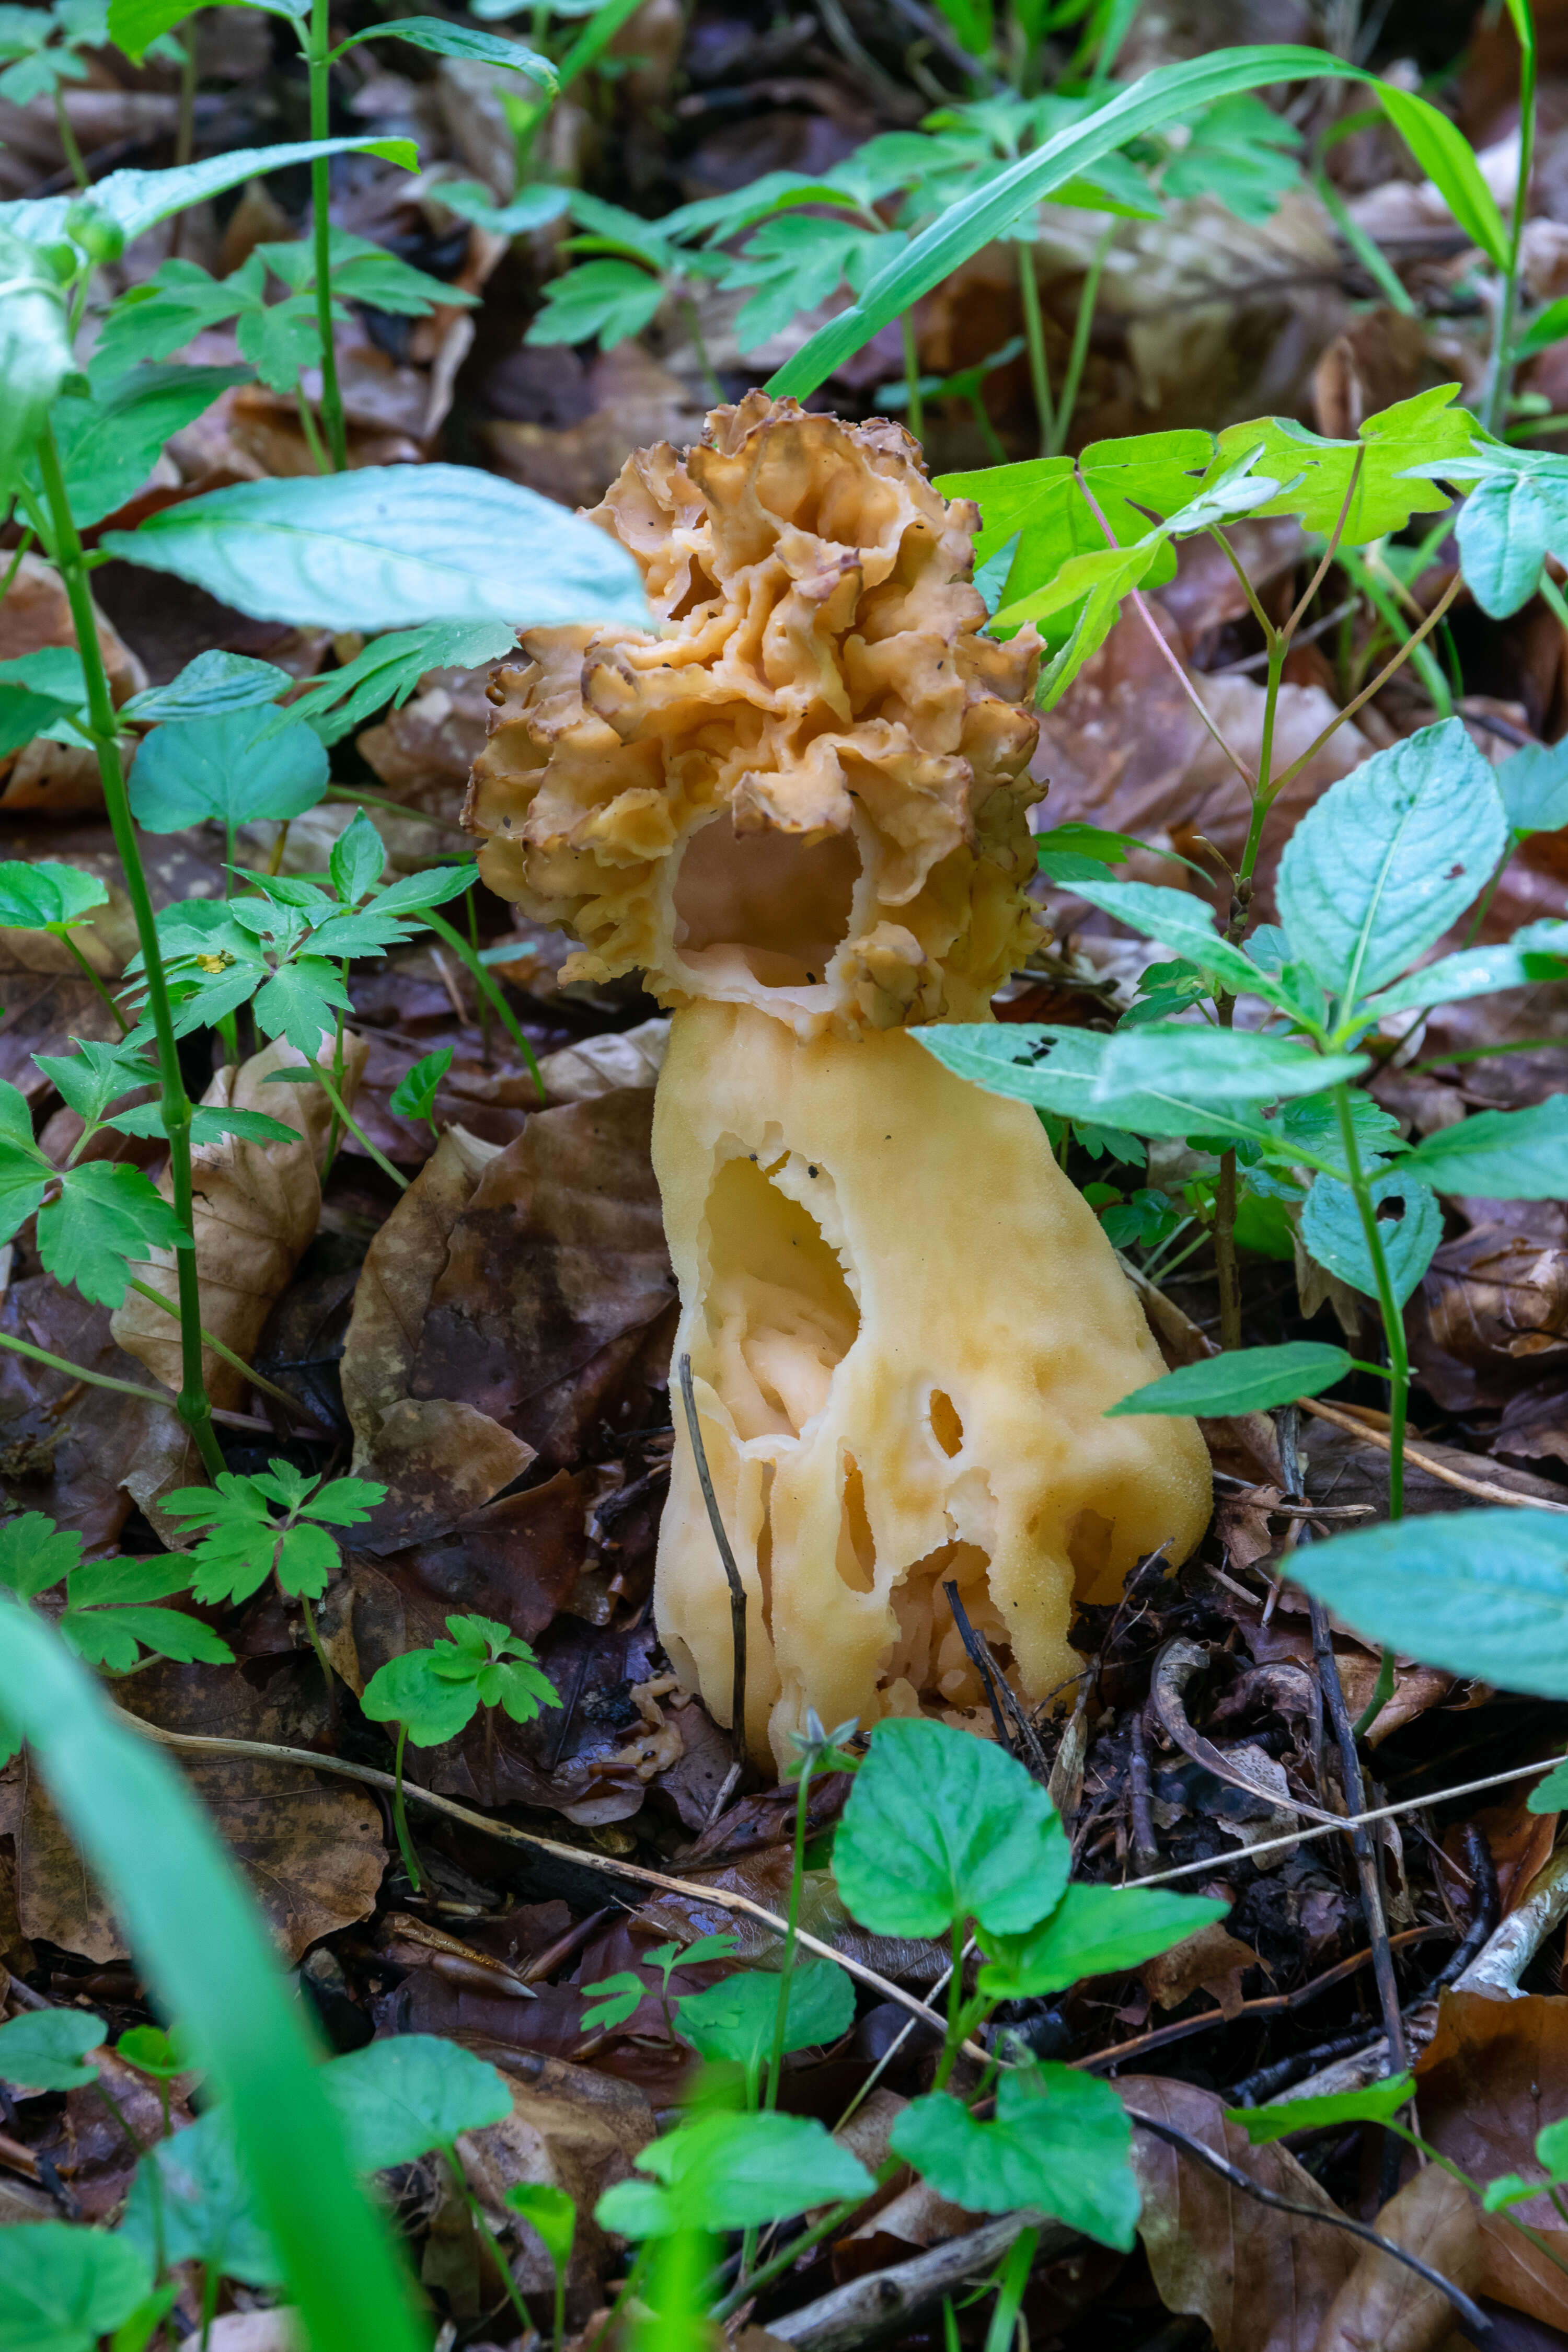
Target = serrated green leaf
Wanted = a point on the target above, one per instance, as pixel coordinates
(356, 860)
(115, 1638)
(107, 1217)
(602, 302)
(94, 1076)
(941, 1828)
(228, 769)
(1332, 1230)
(1244, 1379)
(382, 546)
(1389, 857)
(1186, 923)
(1093, 1931)
(1499, 1155)
(414, 1096)
(34, 895)
(298, 1003)
(408, 1690)
(1060, 2143)
(390, 667)
(1426, 428)
(1513, 518)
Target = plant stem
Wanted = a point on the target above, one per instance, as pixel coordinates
(69, 140)
(787, 1964)
(341, 1114)
(307, 427)
(393, 808)
(914, 409)
(313, 1634)
(98, 984)
(237, 1363)
(1483, 904)
(23, 546)
(1393, 1317)
(484, 982)
(400, 1816)
(694, 328)
(192, 1404)
(316, 42)
(484, 1004)
(1500, 374)
(477, 2215)
(1082, 325)
(80, 1372)
(1035, 337)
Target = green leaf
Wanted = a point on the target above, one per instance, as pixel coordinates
(95, 1075)
(1390, 857)
(550, 2213)
(115, 1638)
(1547, 327)
(209, 1959)
(1239, 155)
(530, 209)
(152, 2052)
(1058, 1069)
(1060, 2143)
(1179, 920)
(1200, 1064)
(1094, 1931)
(299, 1003)
(1514, 518)
(255, 762)
(1375, 2103)
(36, 354)
(1534, 788)
(35, 1554)
(1538, 952)
(736, 2019)
(107, 444)
(44, 2051)
(191, 2198)
(1245, 1380)
(414, 1096)
(385, 546)
(62, 2288)
(400, 2098)
(390, 667)
(357, 859)
(137, 201)
(1449, 160)
(1332, 1230)
(615, 2000)
(408, 1690)
(208, 1124)
(604, 301)
(1386, 493)
(107, 1217)
(941, 1828)
(732, 2172)
(32, 896)
(1170, 94)
(432, 889)
(214, 683)
(1499, 1155)
(450, 40)
(1483, 1593)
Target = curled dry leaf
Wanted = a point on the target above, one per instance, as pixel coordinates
(255, 1207)
(438, 1457)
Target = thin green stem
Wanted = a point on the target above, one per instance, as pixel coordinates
(307, 427)
(313, 1634)
(914, 405)
(191, 1406)
(73, 155)
(341, 1113)
(335, 1130)
(94, 978)
(988, 433)
(23, 546)
(483, 980)
(393, 808)
(787, 1964)
(1082, 325)
(1396, 661)
(484, 1004)
(498, 2255)
(1500, 374)
(1483, 904)
(694, 328)
(1035, 339)
(80, 1372)
(237, 1363)
(1263, 798)
(316, 42)
(784, 2259)
(400, 1816)
(1388, 1306)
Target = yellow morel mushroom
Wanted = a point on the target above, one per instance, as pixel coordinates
(801, 810)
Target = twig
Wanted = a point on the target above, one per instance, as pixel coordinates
(971, 1640)
(1145, 1853)
(1174, 1667)
(1473, 2318)
(1481, 1487)
(1503, 1960)
(732, 1573)
(262, 1751)
(890, 2302)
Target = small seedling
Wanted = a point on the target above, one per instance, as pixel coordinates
(414, 1096)
(246, 1543)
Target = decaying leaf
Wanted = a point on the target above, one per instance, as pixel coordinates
(255, 1207)
(45, 778)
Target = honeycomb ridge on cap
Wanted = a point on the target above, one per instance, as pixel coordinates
(807, 788)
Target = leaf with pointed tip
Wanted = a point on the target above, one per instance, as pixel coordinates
(1094, 1931)
(44, 2051)
(1060, 2143)
(1243, 1380)
(213, 683)
(1499, 1155)
(137, 201)
(235, 766)
(1332, 1230)
(448, 40)
(33, 895)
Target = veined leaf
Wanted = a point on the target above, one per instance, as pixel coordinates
(450, 40)
(1449, 160)
(1060, 2143)
(1534, 788)
(137, 201)
(62, 2288)
(1228, 1065)
(1501, 1155)
(213, 683)
(36, 354)
(1538, 952)
(385, 547)
(1093, 1931)
(1386, 494)
(1243, 1380)
(255, 762)
(1331, 1230)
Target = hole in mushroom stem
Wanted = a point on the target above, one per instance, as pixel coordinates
(855, 1559)
(772, 905)
(945, 1425)
(1089, 1549)
(928, 1654)
(780, 1313)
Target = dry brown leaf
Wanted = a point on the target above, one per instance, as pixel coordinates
(557, 1279)
(632, 401)
(256, 1208)
(1212, 1961)
(1382, 2306)
(1263, 2280)
(44, 777)
(571, 2128)
(65, 1449)
(421, 753)
(1494, 2073)
(438, 1457)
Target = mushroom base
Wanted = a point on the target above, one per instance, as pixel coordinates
(905, 1326)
